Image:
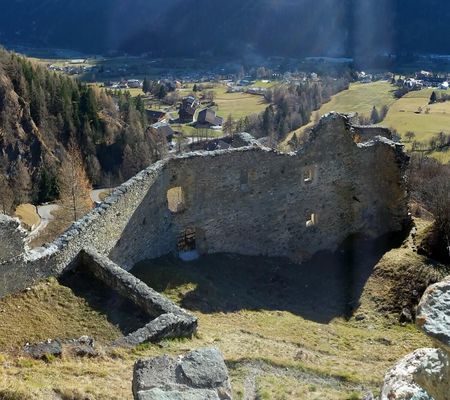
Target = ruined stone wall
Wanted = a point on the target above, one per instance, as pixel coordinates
(248, 200)
(12, 239)
(255, 201)
(101, 229)
(366, 133)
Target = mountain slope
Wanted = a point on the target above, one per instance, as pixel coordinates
(42, 115)
(229, 28)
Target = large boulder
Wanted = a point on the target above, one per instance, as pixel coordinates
(434, 374)
(200, 375)
(425, 374)
(399, 382)
(433, 313)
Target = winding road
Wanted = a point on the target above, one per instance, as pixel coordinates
(45, 213)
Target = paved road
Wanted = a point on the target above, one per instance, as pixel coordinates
(45, 213)
(95, 194)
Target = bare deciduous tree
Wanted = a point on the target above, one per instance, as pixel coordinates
(228, 125)
(21, 183)
(74, 185)
(410, 135)
(6, 195)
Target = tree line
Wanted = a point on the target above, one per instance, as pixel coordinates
(291, 106)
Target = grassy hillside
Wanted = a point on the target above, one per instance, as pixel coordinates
(403, 114)
(239, 105)
(359, 98)
(28, 215)
(280, 326)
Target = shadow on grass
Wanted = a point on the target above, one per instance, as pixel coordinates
(327, 286)
(118, 310)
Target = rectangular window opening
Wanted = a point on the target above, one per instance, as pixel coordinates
(175, 200)
(243, 180)
(308, 175)
(312, 222)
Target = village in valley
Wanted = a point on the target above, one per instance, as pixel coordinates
(186, 105)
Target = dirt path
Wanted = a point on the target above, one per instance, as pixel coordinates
(255, 369)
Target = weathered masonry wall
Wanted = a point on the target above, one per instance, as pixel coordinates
(255, 201)
(248, 200)
(100, 229)
(12, 239)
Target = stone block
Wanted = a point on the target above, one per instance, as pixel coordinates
(201, 374)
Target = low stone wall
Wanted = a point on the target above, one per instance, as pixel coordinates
(102, 228)
(168, 320)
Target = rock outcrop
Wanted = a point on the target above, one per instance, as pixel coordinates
(425, 374)
(200, 375)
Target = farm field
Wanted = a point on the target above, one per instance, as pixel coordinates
(403, 115)
(360, 98)
(239, 105)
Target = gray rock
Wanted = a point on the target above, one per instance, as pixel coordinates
(201, 374)
(192, 394)
(205, 368)
(433, 313)
(84, 350)
(41, 351)
(159, 372)
(82, 347)
(400, 382)
(406, 316)
(434, 374)
(165, 326)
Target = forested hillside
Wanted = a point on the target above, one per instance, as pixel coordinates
(229, 28)
(43, 114)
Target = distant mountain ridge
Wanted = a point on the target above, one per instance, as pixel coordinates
(230, 28)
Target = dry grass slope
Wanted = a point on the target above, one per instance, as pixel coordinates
(28, 215)
(273, 347)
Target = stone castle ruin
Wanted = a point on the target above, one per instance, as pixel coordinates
(248, 200)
